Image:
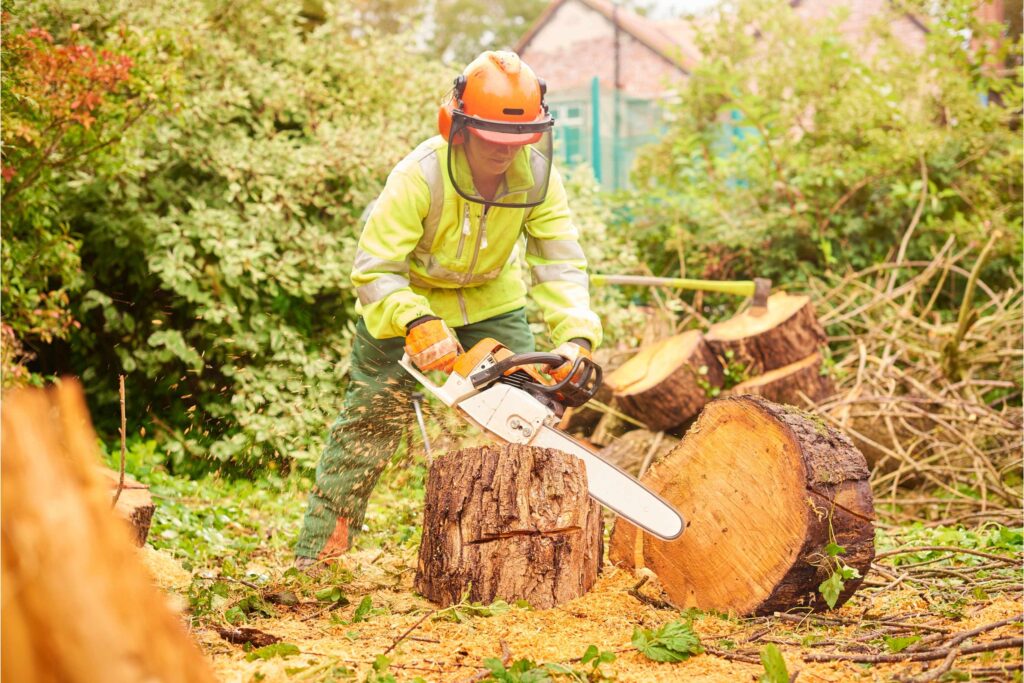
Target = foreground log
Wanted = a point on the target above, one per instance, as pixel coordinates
(508, 522)
(78, 605)
(765, 490)
(668, 383)
(786, 333)
(790, 383)
(134, 504)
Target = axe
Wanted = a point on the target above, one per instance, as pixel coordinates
(758, 289)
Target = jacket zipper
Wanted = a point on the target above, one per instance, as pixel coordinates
(465, 232)
(481, 241)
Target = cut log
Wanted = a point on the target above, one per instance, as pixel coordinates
(78, 605)
(632, 449)
(790, 383)
(764, 489)
(508, 522)
(135, 504)
(786, 333)
(668, 383)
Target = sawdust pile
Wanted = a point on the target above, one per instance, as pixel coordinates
(445, 651)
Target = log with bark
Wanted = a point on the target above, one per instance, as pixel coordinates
(668, 383)
(508, 522)
(767, 492)
(785, 333)
(78, 605)
(791, 383)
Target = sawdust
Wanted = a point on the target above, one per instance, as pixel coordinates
(445, 651)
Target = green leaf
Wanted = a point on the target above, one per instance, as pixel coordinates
(673, 642)
(899, 644)
(363, 610)
(834, 549)
(283, 650)
(775, 670)
(830, 589)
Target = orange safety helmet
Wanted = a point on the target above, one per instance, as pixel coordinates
(497, 88)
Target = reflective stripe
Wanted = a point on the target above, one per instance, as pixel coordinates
(430, 166)
(559, 272)
(555, 250)
(380, 288)
(368, 263)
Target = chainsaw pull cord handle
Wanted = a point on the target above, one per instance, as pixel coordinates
(577, 388)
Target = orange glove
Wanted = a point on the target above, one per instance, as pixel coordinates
(570, 350)
(431, 344)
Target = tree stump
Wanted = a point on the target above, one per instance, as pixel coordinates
(764, 489)
(666, 384)
(790, 383)
(786, 333)
(509, 522)
(78, 606)
(135, 504)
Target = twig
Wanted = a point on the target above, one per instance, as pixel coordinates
(653, 602)
(926, 656)
(410, 630)
(944, 549)
(506, 657)
(732, 656)
(933, 674)
(120, 482)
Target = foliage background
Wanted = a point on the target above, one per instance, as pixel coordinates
(190, 220)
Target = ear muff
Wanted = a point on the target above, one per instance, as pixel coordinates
(448, 105)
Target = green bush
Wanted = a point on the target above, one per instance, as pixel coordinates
(216, 258)
(793, 152)
(68, 97)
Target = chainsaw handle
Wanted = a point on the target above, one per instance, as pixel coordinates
(578, 387)
(485, 377)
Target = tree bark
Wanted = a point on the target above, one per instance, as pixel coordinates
(786, 333)
(78, 606)
(790, 383)
(764, 489)
(668, 383)
(508, 522)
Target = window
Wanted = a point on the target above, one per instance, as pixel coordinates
(569, 129)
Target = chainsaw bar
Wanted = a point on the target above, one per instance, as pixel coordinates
(512, 415)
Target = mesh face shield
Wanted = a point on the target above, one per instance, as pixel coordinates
(517, 154)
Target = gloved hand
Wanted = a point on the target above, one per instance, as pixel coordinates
(431, 345)
(570, 350)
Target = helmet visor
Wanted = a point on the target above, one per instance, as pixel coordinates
(509, 161)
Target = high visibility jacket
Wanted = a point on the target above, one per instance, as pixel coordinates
(426, 250)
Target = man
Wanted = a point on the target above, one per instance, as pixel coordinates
(438, 269)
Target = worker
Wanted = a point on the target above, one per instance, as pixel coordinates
(437, 269)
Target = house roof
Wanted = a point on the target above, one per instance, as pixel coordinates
(675, 49)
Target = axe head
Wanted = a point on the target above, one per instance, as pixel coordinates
(759, 304)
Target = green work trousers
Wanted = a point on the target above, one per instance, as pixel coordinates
(377, 410)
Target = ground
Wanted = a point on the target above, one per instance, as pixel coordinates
(222, 555)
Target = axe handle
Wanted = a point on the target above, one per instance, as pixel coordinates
(737, 287)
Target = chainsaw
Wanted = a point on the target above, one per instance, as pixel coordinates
(501, 393)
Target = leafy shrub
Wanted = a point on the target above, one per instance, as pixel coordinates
(67, 100)
(216, 259)
(793, 151)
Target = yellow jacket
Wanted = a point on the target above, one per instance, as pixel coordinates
(426, 250)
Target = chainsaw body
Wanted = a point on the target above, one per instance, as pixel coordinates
(502, 394)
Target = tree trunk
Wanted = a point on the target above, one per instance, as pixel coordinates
(666, 384)
(135, 504)
(509, 522)
(764, 489)
(790, 383)
(78, 606)
(786, 333)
